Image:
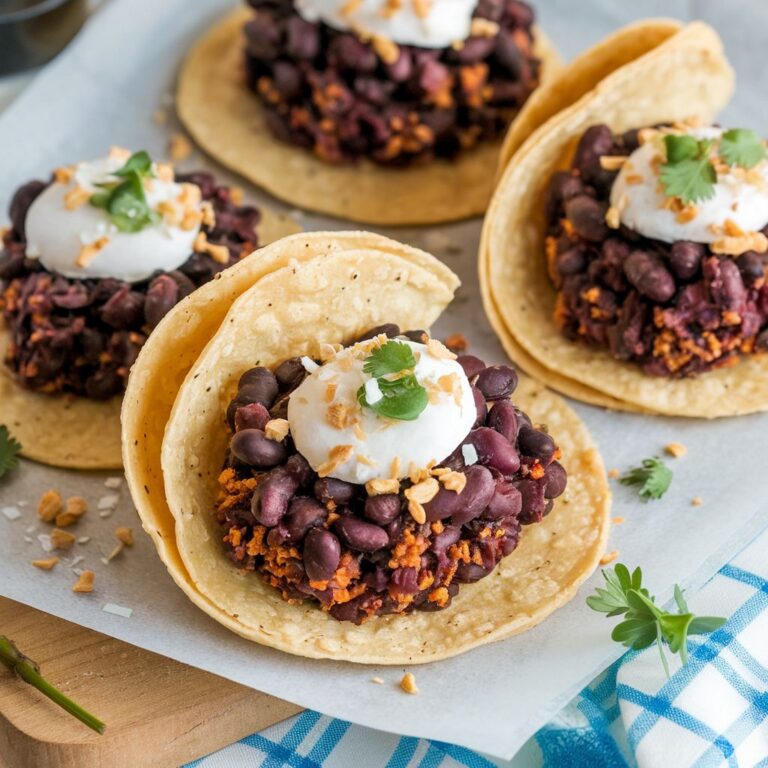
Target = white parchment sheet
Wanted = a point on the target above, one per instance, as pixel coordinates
(104, 90)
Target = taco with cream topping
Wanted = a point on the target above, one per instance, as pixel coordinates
(638, 229)
(92, 261)
(321, 481)
(367, 110)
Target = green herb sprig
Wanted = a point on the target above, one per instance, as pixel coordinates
(29, 672)
(653, 476)
(689, 173)
(10, 448)
(125, 201)
(403, 397)
(644, 622)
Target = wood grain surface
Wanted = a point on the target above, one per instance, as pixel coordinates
(159, 713)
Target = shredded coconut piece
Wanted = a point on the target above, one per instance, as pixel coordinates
(117, 610)
(12, 513)
(310, 366)
(113, 483)
(408, 683)
(45, 542)
(373, 393)
(108, 502)
(469, 453)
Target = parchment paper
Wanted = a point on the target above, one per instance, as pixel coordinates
(104, 90)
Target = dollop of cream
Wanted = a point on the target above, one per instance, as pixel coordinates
(328, 424)
(428, 24)
(61, 226)
(740, 196)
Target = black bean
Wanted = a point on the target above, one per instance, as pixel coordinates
(338, 491)
(20, 203)
(730, 291)
(480, 407)
(467, 505)
(259, 385)
(571, 261)
(497, 382)
(290, 372)
(124, 310)
(533, 501)
(503, 418)
(303, 514)
(587, 216)
(505, 502)
(647, 273)
(467, 573)
(685, 258)
(389, 329)
(321, 555)
(103, 385)
(254, 448)
(162, 296)
(751, 266)
(761, 342)
(555, 480)
(474, 49)
(382, 509)
(596, 141)
(472, 365)
(419, 336)
(361, 536)
(494, 450)
(401, 69)
(251, 416)
(270, 500)
(535, 444)
(508, 55)
(563, 186)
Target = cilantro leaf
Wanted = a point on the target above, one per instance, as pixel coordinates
(9, 450)
(392, 357)
(139, 162)
(403, 398)
(653, 477)
(644, 622)
(741, 146)
(688, 174)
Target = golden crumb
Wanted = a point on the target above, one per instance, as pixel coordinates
(64, 175)
(697, 501)
(381, 485)
(76, 197)
(613, 473)
(688, 213)
(377, 680)
(171, 212)
(359, 433)
(179, 147)
(49, 506)
(618, 520)
(74, 509)
(209, 215)
(164, 171)
(330, 391)
(394, 468)
(453, 481)
(483, 28)
(439, 351)
(61, 539)
(47, 564)
(417, 511)
(124, 535)
(609, 557)
(337, 456)
(340, 416)
(277, 429)
(676, 449)
(219, 253)
(363, 459)
(735, 246)
(385, 49)
(89, 252)
(612, 162)
(612, 217)
(84, 582)
(236, 195)
(408, 683)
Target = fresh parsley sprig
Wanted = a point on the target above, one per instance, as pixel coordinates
(125, 201)
(10, 448)
(653, 476)
(403, 397)
(644, 622)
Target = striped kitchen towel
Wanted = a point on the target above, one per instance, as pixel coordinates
(711, 713)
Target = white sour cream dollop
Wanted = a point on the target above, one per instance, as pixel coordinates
(377, 442)
(443, 22)
(56, 234)
(637, 195)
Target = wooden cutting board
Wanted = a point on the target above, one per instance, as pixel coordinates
(159, 713)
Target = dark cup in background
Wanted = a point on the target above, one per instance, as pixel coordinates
(34, 31)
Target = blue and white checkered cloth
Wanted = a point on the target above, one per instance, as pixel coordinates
(712, 712)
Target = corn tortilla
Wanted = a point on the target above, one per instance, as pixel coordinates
(687, 76)
(227, 121)
(331, 295)
(75, 432)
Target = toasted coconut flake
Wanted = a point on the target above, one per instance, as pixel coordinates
(417, 511)
(277, 429)
(359, 433)
(387, 50)
(76, 197)
(64, 174)
(89, 252)
(613, 217)
(49, 506)
(47, 564)
(453, 481)
(219, 253)
(84, 582)
(735, 246)
(424, 491)
(612, 162)
(378, 680)
(124, 535)
(439, 351)
(483, 28)
(61, 539)
(330, 391)
(338, 455)
(362, 459)
(697, 501)
(340, 416)
(381, 485)
(676, 449)
(408, 683)
(688, 213)
(394, 468)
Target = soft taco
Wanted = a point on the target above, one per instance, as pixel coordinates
(369, 111)
(94, 258)
(322, 483)
(638, 231)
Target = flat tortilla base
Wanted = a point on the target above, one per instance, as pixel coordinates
(275, 315)
(75, 432)
(685, 75)
(227, 121)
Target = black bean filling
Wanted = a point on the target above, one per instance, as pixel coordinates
(82, 336)
(356, 555)
(675, 309)
(332, 93)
